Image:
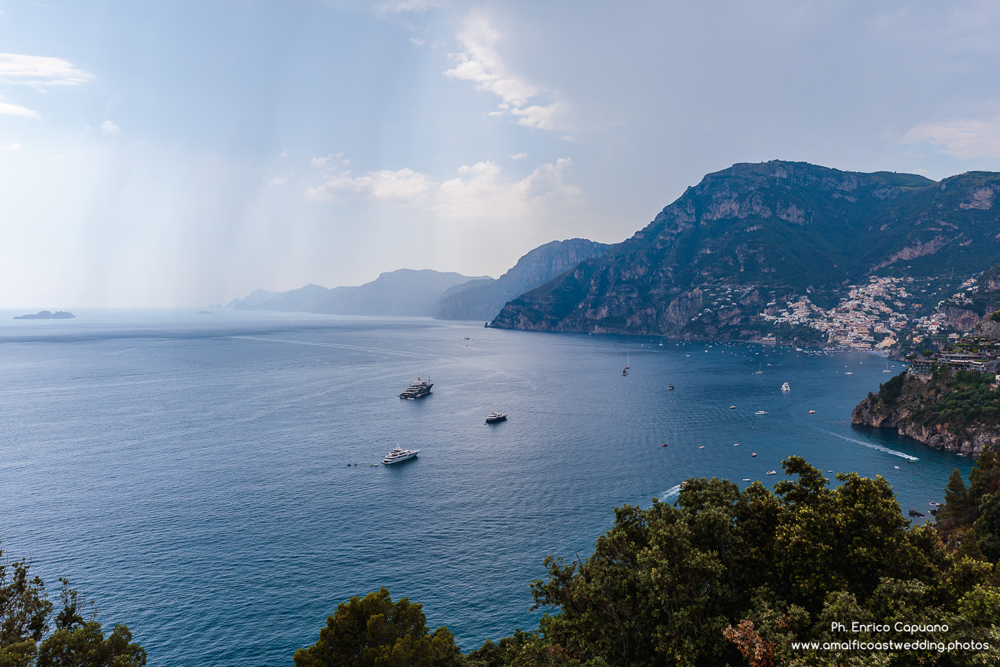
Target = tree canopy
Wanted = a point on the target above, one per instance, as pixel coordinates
(26, 617)
(373, 631)
(730, 577)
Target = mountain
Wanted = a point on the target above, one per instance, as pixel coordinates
(773, 251)
(290, 301)
(482, 300)
(402, 292)
(255, 298)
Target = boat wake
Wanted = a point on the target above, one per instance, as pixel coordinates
(872, 445)
(673, 491)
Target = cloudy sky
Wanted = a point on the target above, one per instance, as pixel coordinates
(172, 153)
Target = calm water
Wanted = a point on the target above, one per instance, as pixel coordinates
(190, 473)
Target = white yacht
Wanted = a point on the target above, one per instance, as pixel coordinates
(400, 454)
(785, 387)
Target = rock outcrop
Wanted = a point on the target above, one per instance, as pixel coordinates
(916, 407)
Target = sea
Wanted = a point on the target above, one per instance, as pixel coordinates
(211, 480)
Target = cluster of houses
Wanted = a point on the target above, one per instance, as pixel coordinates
(867, 318)
(972, 354)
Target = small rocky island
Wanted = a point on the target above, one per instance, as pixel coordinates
(948, 400)
(46, 315)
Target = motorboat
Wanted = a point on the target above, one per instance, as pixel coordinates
(670, 387)
(760, 412)
(495, 417)
(785, 387)
(399, 454)
(772, 472)
(812, 412)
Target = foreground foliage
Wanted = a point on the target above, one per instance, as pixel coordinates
(724, 577)
(373, 631)
(26, 616)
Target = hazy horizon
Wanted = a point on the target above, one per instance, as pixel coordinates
(189, 153)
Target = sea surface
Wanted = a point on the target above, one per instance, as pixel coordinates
(195, 474)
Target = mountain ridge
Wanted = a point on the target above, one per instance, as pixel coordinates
(756, 236)
(484, 301)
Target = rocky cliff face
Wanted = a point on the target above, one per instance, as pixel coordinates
(903, 404)
(756, 232)
(484, 301)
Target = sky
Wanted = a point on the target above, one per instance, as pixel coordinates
(172, 153)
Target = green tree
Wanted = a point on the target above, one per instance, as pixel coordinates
(25, 614)
(956, 501)
(760, 568)
(373, 631)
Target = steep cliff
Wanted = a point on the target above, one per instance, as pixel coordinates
(759, 234)
(953, 411)
(483, 300)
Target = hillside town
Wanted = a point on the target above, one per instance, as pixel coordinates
(870, 317)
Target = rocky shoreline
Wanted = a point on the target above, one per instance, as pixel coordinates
(901, 405)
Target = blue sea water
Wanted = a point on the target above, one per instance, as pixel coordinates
(193, 474)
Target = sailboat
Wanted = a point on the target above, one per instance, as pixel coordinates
(625, 370)
(887, 368)
(759, 369)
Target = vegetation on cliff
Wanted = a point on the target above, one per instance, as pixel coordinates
(26, 618)
(955, 410)
(730, 577)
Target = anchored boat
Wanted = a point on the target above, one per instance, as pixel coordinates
(399, 454)
(417, 389)
(496, 417)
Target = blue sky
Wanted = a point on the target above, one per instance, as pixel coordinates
(184, 153)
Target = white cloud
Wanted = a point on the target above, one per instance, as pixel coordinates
(15, 110)
(107, 127)
(478, 191)
(14, 146)
(417, 42)
(418, 6)
(320, 162)
(404, 186)
(278, 180)
(962, 138)
(40, 71)
(518, 156)
(481, 64)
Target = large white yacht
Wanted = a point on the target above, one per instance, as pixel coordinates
(400, 454)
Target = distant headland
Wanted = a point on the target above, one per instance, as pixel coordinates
(46, 315)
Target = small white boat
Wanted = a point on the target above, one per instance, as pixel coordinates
(753, 454)
(760, 412)
(732, 407)
(736, 444)
(849, 373)
(785, 387)
(772, 472)
(746, 479)
(702, 447)
(812, 412)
